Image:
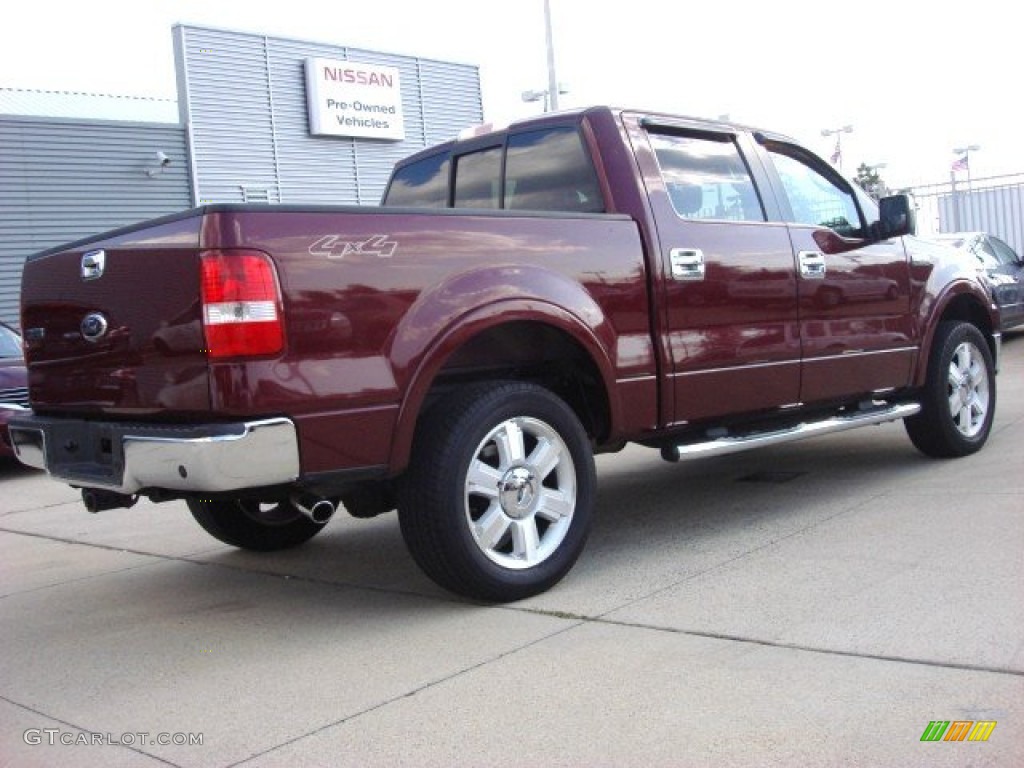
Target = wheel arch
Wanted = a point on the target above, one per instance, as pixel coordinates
(518, 339)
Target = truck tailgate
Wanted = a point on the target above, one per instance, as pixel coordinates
(113, 326)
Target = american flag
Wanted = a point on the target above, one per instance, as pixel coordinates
(960, 164)
(838, 154)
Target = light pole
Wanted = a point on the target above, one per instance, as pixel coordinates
(962, 163)
(553, 86)
(837, 155)
(550, 95)
(538, 95)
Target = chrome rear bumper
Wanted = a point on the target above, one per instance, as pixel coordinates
(127, 458)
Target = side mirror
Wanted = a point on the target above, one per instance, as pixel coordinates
(896, 217)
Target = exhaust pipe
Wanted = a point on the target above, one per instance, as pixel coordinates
(316, 509)
(96, 500)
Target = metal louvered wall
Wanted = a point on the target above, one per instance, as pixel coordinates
(63, 180)
(996, 210)
(243, 100)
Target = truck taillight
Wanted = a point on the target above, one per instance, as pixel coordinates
(241, 304)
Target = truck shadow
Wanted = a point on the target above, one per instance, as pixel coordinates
(11, 467)
(649, 513)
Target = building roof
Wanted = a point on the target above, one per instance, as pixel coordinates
(91, 106)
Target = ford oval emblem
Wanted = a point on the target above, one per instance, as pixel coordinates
(94, 326)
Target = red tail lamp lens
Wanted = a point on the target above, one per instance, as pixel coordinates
(241, 304)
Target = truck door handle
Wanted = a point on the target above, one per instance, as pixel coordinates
(812, 265)
(687, 264)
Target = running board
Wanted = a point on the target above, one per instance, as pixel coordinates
(723, 445)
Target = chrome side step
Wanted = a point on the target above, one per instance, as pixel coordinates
(723, 445)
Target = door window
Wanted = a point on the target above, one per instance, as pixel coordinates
(817, 197)
(1004, 253)
(986, 253)
(706, 177)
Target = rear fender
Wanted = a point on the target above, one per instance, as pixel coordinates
(443, 320)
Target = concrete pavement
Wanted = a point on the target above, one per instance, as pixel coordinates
(813, 604)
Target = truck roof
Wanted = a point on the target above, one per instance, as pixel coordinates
(477, 133)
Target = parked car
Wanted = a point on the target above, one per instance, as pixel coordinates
(1003, 268)
(13, 383)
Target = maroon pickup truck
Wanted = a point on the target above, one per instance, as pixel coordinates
(524, 298)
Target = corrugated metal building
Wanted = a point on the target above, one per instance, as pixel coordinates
(997, 209)
(63, 179)
(243, 100)
(994, 205)
(73, 165)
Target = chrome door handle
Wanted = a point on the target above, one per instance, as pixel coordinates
(687, 264)
(812, 265)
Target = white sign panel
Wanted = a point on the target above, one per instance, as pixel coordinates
(350, 99)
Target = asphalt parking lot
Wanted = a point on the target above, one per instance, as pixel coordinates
(815, 604)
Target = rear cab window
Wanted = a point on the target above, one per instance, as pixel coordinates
(545, 169)
(478, 179)
(549, 170)
(423, 184)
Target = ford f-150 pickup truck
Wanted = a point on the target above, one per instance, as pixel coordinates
(524, 298)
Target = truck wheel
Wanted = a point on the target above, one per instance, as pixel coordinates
(498, 500)
(959, 397)
(255, 526)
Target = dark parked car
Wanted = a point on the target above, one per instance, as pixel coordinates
(13, 382)
(1003, 268)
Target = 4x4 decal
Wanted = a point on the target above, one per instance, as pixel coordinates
(334, 247)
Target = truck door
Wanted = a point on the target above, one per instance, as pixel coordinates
(855, 321)
(728, 287)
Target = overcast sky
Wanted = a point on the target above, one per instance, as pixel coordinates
(915, 79)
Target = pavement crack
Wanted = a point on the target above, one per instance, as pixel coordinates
(41, 507)
(191, 560)
(814, 649)
(409, 694)
(84, 730)
(778, 644)
(76, 580)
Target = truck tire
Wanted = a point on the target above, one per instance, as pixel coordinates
(254, 526)
(959, 397)
(498, 500)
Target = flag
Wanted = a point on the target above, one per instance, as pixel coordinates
(961, 164)
(837, 156)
